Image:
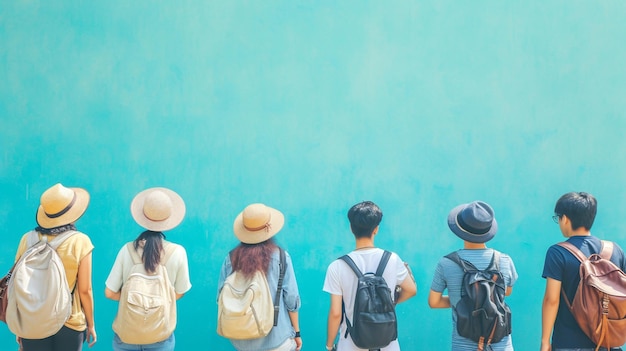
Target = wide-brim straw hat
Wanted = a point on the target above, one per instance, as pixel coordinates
(258, 223)
(60, 205)
(474, 222)
(158, 209)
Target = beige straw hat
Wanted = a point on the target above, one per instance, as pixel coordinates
(60, 206)
(158, 209)
(257, 223)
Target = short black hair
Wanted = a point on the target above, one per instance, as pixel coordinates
(364, 217)
(579, 207)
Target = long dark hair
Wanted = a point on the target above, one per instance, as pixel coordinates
(249, 258)
(152, 248)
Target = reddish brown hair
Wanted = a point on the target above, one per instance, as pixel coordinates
(249, 258)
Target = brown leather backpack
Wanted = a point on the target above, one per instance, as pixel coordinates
(599, 305)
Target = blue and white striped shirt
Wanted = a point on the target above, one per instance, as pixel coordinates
(448, 275)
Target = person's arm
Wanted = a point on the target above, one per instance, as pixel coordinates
(293, 316)
(549, 311)
(85, 292)
(408, 289)
(334, 320)
(110, 294)
(509, 290)
(438, 300)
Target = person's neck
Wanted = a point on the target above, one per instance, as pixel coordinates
(364, 243)
(579, 232)
(474, 246)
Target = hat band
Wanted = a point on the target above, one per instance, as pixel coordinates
(267, 226)
(471, 230)
(63, 211)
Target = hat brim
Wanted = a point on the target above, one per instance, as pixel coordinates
(79, 207)
(277, 220)
(464, 234)
(175, 218)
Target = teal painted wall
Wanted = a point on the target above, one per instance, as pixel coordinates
(310, 107)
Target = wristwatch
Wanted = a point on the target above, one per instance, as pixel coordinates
(330, 348)
(297, 334)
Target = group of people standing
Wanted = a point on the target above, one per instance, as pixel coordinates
(160, 209)
(156, 210)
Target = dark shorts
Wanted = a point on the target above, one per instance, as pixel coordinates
(65, 339)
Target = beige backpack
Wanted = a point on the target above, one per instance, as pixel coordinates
(39, 298)
(147, 308)
(245, 308)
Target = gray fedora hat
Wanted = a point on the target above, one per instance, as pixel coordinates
(474, 222)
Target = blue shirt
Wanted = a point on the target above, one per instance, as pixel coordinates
(290, 301)
(448, 275)
(561, 265)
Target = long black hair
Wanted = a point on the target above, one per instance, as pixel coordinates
(152, 248)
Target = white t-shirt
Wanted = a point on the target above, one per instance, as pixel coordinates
(341, 280)
(177, 269)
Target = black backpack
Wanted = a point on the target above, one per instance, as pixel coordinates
(374, 322)
(481, 314)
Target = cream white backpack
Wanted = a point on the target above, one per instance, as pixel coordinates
(147, 308)
(39, 298)
(245, 307)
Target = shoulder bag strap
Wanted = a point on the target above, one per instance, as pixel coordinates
(352, 265)
(281, 278)
(607, 249)
(383, 263)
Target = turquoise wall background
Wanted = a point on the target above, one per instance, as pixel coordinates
(310, 107)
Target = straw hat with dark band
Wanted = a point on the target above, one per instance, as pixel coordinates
(257, 223)
(158, 209)
(60, 206)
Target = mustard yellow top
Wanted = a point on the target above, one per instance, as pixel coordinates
(71, 252)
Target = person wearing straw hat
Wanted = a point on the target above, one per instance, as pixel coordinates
(157, 210)
(59, 209)
(475, 224)
(255, 228)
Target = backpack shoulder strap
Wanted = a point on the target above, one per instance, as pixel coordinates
(134, 255)
(607, 249)
(383, 263)
(495, 262)
(352, 265)
(281, 278)
(59, 239)
(465, 265)
(574, 250)
(168, 251)
(32, 238)
(580, 256)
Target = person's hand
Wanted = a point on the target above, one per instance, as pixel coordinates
(298, 343)
(91, 337)
(545, 346)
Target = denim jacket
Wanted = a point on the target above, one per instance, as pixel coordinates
(290, 301)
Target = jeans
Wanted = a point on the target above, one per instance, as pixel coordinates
(593, 349)
(165, 345)
(65, 339)
(288, 345)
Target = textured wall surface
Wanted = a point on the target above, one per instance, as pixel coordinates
(310, 107)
